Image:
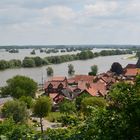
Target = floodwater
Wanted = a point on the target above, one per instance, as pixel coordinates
(80, 66)
(26, 52)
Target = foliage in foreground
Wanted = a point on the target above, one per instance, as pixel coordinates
(19, 86)
(41, 108)
(9, 130)
(16, 110)
(118, 120)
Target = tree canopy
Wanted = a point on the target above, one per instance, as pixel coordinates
(117, 68)
(49, 71)
(88, 103)
(41, 108)
(15, 109)
(71, 70)
(67, 107)
(19, 86)
(94, 70)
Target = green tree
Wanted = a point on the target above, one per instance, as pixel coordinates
(89, 103)
(4, 64)
(28, 100)
(90, 54)
(94, 70)
(79, 99)
(67, 107)
(28, 62)
(83, 55)
(38, 61)
(15, 109)
(117, 68)
(33, 52)
(9, 130)
(138, 63)
(49, 71)
(71, 70)
(138, 54)
(19, 86)
(119, 120)
(42, 108)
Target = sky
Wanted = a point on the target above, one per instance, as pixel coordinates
(52, 22)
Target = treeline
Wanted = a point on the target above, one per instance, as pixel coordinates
(37, 61)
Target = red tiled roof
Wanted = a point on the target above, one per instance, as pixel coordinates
(108, 79)
(55, 84)
(131, 66)
(93, 88)
(131, 72)
(81, 78)
(71, 80)
(57, 79)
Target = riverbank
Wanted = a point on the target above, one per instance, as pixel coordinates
(29, 62)
(39, 74)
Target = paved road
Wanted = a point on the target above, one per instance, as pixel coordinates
(47, 124)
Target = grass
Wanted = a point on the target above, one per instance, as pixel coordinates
(54, 116)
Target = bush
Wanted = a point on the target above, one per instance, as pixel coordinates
(54, 117)
(70, 120)
(15, 109)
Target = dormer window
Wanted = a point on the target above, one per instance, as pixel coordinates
(50, 86)
(60, 86)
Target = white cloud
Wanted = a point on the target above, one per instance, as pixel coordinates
(69, 21)
(101, 8)
(58, 13)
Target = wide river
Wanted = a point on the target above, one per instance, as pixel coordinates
(81, 67)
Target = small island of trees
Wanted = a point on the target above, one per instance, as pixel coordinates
(37, 61)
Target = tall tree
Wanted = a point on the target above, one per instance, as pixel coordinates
(94, 70)
(19, 86)
(49, 71)
(28, 62)
(42, 108)
(138, 54)
(138, 63)
(117, 68)
(71, 70)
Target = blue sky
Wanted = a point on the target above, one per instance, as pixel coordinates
(34, 22)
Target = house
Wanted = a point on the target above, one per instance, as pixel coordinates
(108, 79)
(130, 66)
(130, 72)
(58, 88)
(77, 78)
(54, 86)
(93, 89)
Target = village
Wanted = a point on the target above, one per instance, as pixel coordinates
(60, 88)
(68, 101)
(65, 103)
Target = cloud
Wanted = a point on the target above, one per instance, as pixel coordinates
(101, 8)
(55, 13)
(69, 21)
